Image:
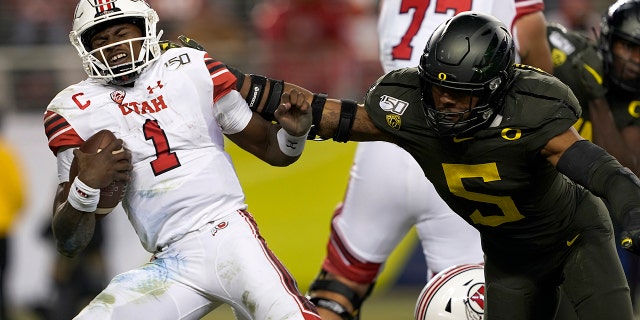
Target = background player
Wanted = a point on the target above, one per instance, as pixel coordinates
(169, 111)
(605, 77)
(387, 190)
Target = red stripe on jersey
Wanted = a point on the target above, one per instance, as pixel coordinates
(223, 80)
(307, 308)
(59, 132)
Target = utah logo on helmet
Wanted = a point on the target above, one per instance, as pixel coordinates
(456, 293)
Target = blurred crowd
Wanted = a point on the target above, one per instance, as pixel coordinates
(255, 36)
(271, 37)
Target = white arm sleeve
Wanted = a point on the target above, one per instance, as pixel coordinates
(232, 113)
(64, 164)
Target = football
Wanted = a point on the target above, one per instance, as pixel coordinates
(112, 194)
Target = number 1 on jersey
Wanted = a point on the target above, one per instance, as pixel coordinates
(165, 159)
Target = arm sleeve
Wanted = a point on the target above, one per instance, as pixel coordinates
(592, 167)
(64, 159)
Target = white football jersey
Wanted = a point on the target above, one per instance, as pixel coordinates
(182, 178)
(413, 21)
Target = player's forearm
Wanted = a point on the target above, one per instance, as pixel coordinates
(247, 88)
(362, 128)
(72, 229)
(331, 122)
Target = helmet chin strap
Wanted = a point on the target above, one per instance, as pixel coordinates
(126, 78)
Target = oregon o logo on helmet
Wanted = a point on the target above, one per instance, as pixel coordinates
(442, 76)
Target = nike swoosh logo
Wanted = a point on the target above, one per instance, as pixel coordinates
(456, 139)
(570, 242)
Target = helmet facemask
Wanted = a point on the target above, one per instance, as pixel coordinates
(122, 11)
(460, 123)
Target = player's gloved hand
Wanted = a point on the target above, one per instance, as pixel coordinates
(185, 42)
(188, 42)
(166, 45)
(630, 236)
(589, 68)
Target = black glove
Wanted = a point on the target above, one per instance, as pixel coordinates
(166, 45)
(589, 68)
(630, 236)
(188, 42)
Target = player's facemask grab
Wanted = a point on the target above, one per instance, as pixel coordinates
(93, 16)
(472, 60)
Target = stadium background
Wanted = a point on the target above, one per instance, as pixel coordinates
(325, 45)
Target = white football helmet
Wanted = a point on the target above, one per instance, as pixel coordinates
(92, 15)
(456, 293)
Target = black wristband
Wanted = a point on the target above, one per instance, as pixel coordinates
(347, 117)
(332, 306)
(273, 99)
(256, 91)
(317, 105)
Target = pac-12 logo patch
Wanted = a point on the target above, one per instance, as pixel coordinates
(118, 96)
(394, 121)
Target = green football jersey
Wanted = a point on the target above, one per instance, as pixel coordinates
(495, 179)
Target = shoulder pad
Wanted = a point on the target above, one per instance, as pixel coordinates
(532, 87)
(396, 83)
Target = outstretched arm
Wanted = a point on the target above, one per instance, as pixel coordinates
(342, 120)
(278, 143)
